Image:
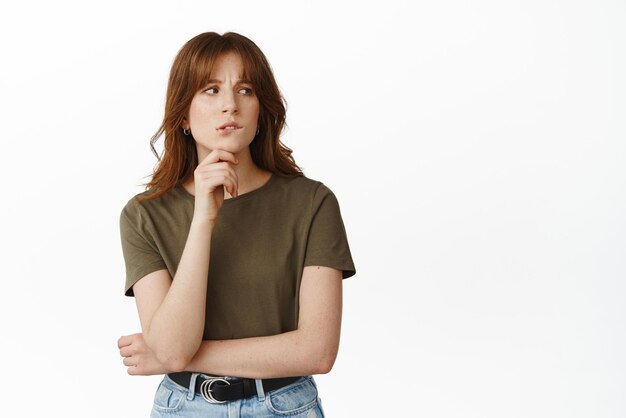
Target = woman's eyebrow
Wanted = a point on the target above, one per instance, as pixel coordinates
(217, 81)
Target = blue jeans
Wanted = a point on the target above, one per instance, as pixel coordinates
(296, 400)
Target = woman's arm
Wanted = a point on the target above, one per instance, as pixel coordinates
(172, 313)
(311, 349)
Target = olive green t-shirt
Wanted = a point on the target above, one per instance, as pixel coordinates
(260, 244)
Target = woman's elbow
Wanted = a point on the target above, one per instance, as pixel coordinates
(325, 365)
(173, 358)
(324, 359)
(173, 362)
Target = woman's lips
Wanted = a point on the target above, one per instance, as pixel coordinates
(230, 124)
(228, 129)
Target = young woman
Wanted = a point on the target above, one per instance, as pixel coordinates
(234, 257)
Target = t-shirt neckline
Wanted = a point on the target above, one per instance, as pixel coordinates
(237, 198)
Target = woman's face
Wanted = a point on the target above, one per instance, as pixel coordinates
(225, 113)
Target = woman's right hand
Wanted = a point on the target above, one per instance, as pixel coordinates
(211, 177)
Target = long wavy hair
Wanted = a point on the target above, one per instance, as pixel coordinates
(190, 72)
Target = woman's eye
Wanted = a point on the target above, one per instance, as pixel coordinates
(211, 90)
(246, 91)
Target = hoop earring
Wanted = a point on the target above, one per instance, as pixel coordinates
(186, 131)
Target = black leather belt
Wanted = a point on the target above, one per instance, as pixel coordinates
(220, 390)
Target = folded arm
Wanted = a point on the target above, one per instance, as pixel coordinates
(310, 349)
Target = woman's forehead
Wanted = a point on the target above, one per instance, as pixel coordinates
(227, 63)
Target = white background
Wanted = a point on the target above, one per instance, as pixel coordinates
(477, 150)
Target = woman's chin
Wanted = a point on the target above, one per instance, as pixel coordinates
(234, 147)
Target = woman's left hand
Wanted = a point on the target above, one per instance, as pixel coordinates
(139, 358)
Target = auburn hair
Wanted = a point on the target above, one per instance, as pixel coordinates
(190, 72)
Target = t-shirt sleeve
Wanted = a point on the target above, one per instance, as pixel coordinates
(140, 253)
(327, 243)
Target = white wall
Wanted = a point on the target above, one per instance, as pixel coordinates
(476, 148)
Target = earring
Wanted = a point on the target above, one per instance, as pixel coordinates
(257, 132)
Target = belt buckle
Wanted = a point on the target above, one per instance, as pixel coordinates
(205, 389)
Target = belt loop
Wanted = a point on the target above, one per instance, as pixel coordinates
(259, 389)
(192, 386)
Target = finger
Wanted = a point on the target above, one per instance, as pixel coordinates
(219, 174)
(203, 173)
(219, 155)
(231, 186)
(129, 339)
(130, 361)
(225, 179)
(214, 170)
(124, 341)
(127, 351)
(221, 165)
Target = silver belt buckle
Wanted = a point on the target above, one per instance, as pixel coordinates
(205, 389)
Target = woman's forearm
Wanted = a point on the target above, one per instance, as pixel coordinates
(176, 328)
(310, 349)
(292, 353)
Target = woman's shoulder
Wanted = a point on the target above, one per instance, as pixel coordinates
(143, 202)
(301, 184)
(303, 191)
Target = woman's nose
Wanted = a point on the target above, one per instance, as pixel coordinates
(229, 104)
